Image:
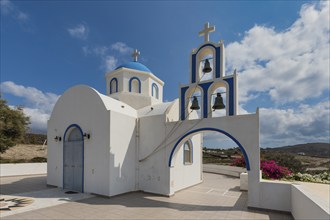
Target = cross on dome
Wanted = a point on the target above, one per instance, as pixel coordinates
(135, 55)
(206, 31)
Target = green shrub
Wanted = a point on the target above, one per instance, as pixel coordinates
(39, 160)
(305, 177)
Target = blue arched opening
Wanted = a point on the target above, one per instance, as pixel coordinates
(113, 85)
(210, 129)
(131, 81)
(188, 154)
(65, 139)
(154, 91)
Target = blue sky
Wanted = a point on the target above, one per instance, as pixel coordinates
(280, 49)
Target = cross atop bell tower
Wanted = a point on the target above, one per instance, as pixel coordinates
(135, 55)
(206, 32)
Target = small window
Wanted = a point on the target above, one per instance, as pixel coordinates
(113, 86)
(135, 85)
(155, 91)
(187, 152)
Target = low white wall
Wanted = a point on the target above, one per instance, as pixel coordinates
(221, 169)
(275, 195)
(244, 181)
(18, 169)
(306, 205)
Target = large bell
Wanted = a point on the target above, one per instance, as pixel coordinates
(207, 67)
(218, 103)
(195, 105)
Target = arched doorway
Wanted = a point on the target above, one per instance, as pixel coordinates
(73, 159)
(192, 132)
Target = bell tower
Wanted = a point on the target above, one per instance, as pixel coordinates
(209, 85)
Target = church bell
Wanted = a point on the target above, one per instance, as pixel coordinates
(195, 105)
(218, 103)
(207, 67)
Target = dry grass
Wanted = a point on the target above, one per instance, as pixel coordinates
(25, 151)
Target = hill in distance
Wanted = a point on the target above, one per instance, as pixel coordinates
(309, 149)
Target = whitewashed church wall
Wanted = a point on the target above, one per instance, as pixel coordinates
(153, 171)
(122, 154)
(244, 128)
(186, 175)
(81, 105)
(55, 157)
(154, 174)
(172, 113)
(135, 100)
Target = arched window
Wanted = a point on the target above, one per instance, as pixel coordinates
(155, 91)
(135, 85)
(187, 152)
(113, 85)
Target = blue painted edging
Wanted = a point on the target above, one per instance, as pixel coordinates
(210, 129)
(205, 87)
(154, 85)
(230, 82)
(192, 152)
(83, 152)
(183, 102)
(130, 83)
(114, 79)
(217, 62)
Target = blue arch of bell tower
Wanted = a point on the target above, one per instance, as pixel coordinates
(210, 129)
(217, 61)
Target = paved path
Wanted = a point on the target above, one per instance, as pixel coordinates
(218, 197)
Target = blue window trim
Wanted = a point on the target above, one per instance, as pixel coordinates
(191, 152)
(83, 152)
(130, 83)
(114, 79)
(210, 129)
(154, 85)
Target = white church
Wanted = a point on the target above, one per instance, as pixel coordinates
(130, 140)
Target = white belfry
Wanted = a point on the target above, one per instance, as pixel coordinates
(135, 55)
(206, 32)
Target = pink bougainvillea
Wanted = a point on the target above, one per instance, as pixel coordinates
(269, 168)
(239, 162)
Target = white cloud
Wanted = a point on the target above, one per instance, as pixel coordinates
(9, 9)
(38, 119)
(110, 56)
(307, 123)
(39, 104)
(290, 65)
(97, 50)
(121, 48)
(80, 31)
(6, 7)
(110, 63)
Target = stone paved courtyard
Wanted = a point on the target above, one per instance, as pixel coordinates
(218, 197)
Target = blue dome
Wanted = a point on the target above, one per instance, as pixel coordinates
(135, 66)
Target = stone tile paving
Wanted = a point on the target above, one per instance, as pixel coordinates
(218, 197)
(21, 184)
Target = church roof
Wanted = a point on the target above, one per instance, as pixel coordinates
(136, 66)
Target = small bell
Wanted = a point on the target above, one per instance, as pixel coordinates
(207, 67)
(218, 103)
(194, 105)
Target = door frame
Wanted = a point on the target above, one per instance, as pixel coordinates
(69, 128)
